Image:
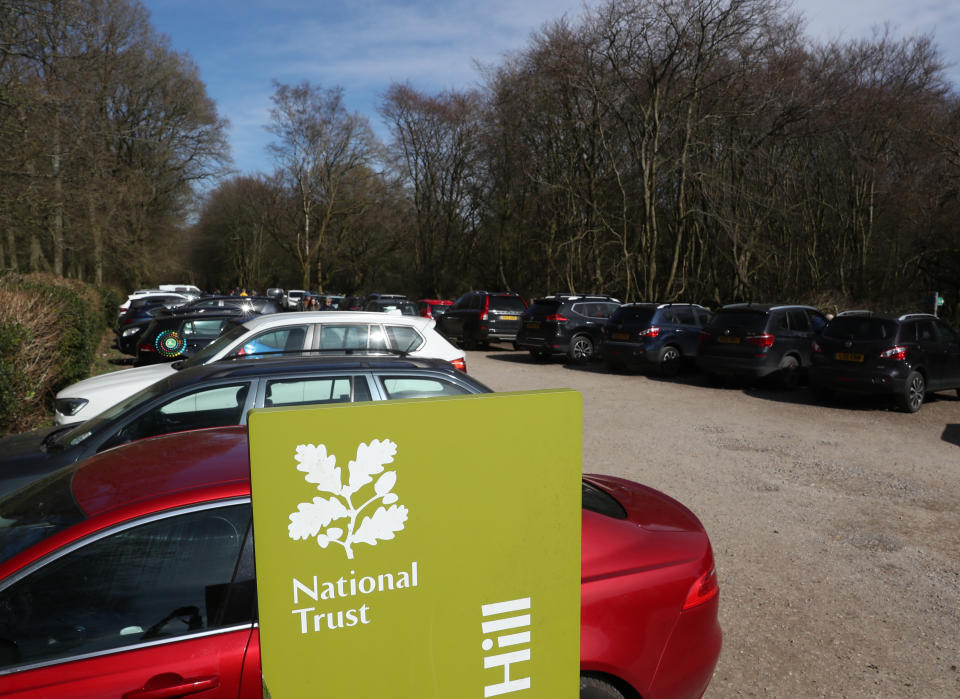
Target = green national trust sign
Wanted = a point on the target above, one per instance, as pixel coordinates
(420, 548)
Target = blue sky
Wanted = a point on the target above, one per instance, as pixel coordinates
(241, 46)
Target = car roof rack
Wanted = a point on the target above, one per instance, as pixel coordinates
(907, 316)
(334, 351)
(855, 312)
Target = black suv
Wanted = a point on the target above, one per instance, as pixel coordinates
(903, 357)
(660, 335)
(220, 394)
(565, 323)
(480, 317)
(757, 341)
(169, 338)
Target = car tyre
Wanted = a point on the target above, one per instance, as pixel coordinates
(594, 688)
(581, 349)
(788, 374)
(669, 361)
(914, 391)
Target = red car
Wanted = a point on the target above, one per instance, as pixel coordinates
(431, 308)
(132, 574)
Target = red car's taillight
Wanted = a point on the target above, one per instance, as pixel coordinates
(898, 353)
(556, 318)
(763, 341)
(652, 331)
(703, 590)
(460, 363)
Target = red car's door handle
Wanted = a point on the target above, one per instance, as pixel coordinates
(170, 685)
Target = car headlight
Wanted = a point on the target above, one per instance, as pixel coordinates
(131, 331)
(70, 406)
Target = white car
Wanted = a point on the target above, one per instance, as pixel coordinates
(291, 297)
(319, 332)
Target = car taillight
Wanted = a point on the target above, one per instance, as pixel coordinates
(486, 308)
(703, 590)
(816, 348)
(460, 363)
(704, 334)
(556, 318)
(763, 341)
(146, 347)
(652, 331)
(898, 353)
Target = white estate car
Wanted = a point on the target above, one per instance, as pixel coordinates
(333, 332)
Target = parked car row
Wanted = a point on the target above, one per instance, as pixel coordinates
(157, 479)
(900, 357)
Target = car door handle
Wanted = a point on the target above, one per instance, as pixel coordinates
(170, 685)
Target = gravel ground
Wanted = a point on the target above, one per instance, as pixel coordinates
(836, 528)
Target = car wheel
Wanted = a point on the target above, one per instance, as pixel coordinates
(788, 374)
(540, 355)
(669, 361)
(581, 349)
(914, 392)
(593, 688)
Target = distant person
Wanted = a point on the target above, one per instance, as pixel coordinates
(328, 304)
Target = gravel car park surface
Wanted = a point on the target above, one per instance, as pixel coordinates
(836, 528)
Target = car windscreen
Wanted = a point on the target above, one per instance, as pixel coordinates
(747, 321)
(860, 328)
(639, 315)
(36, 512)
(84, 430)
(211, 350)
(507, 303)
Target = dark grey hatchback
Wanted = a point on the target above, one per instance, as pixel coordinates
(660, 335)
(903, 357)
(757, 341)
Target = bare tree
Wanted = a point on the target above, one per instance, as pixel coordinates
(320, 147)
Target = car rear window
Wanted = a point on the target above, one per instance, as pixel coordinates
(860, 328)
(507, 303)
(632, 315)
(601, 502)
(748, 321)
(543, 307)
(36, 512)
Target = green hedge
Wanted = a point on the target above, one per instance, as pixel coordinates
(65, 329)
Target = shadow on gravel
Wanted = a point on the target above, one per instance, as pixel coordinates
(951, 434)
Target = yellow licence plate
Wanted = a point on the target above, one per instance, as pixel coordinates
(728, 340)
(848, 357)
(621, 336)
(509, 317)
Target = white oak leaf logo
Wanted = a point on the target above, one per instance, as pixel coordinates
(312, 519)
(382, 526)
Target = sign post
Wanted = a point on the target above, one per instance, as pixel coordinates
(420, 548)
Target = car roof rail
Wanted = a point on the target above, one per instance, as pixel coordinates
(855, 312)
(907, 316)
(334, 351)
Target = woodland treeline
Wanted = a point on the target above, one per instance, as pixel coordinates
(704, 150)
